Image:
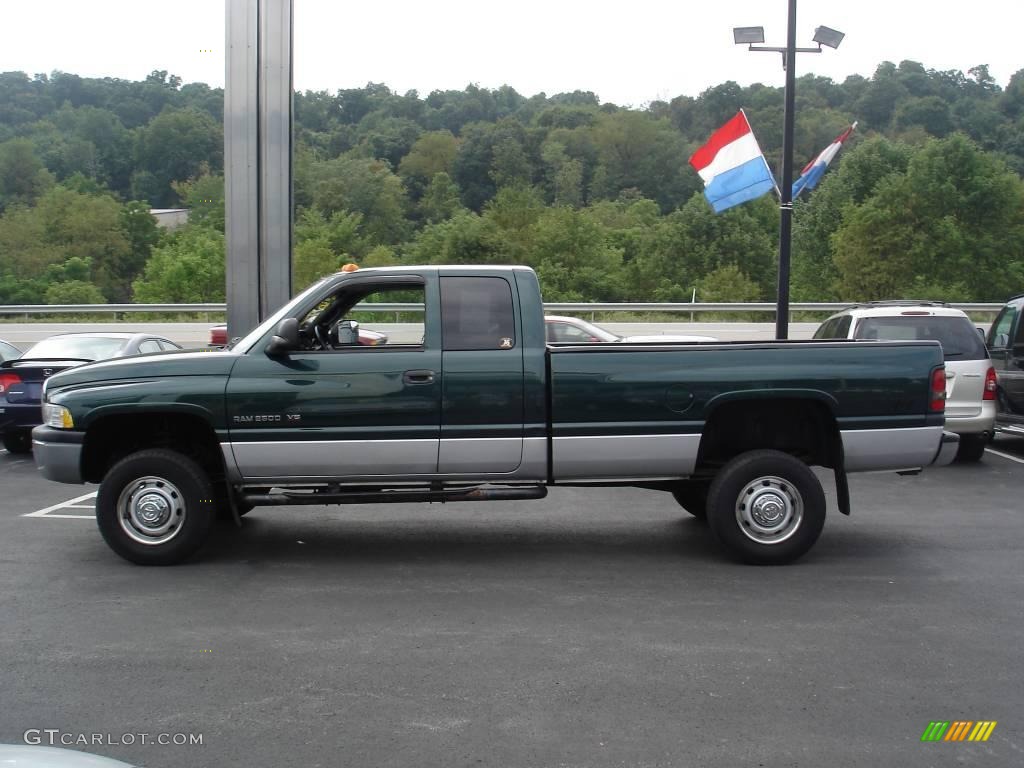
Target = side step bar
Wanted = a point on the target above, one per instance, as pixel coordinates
(330, 496)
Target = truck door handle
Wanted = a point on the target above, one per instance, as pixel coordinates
(418, 376)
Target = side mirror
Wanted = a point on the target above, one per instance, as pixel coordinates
(285, 338)
(1001, 341)
(345, 333)
(981, 331)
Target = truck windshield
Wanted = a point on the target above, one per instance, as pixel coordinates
(243, 344)
(959, 339)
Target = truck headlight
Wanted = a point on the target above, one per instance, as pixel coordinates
(57, 416)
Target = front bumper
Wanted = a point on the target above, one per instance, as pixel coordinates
(58, 454)
(948, 446)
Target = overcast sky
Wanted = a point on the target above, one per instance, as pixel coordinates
(627, 51)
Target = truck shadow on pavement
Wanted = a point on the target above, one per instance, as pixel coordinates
(282, 540)
(268, 541)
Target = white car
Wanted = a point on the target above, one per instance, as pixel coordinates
(576, 331)
(970, 376)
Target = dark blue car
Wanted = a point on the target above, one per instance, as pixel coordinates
(21, 379)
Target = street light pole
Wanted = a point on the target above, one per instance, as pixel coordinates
(752, 37)
(786, 192)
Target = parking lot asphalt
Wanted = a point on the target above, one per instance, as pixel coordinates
(599, 627)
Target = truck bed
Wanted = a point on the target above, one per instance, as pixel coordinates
(638, 411)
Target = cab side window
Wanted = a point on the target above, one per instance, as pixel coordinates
(477, 313)
(365, 315)
(149, 345)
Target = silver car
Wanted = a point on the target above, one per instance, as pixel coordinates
(970, 376)
(575, 331)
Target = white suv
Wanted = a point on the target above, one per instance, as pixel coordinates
(970, 377)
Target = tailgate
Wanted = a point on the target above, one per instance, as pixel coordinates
(965, 387)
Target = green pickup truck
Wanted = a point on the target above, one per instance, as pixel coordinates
(466, 402)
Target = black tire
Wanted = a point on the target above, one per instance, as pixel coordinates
(972, 448)
(18, 442)
(792, 508)
(165, 484)
(693, 497)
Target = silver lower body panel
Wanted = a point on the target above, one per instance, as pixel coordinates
(866, 450)
(612, 457)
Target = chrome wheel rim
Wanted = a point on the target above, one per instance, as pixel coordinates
(769, 510)
(151, 510)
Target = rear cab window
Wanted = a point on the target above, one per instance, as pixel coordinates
(959, 339)
(477, 313)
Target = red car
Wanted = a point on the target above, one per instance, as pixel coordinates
(367, 338)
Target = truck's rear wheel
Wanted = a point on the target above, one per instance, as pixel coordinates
(155, 507)
(766, 507)
(693, 497)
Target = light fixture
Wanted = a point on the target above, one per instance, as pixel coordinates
(828, 36)
(747, 35)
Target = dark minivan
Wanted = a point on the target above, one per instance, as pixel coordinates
(1006, 348)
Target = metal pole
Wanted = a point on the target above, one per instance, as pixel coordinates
(257, 159)
(241, 166)
(786, 193)
(275, 153)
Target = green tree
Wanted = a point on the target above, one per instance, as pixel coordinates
(930, 112)
(74, 292)
(818, 214)
(639, 152)
(175, 146)
(367, 187)
(311, 260)
(204, 197)
(573, 258)
(440, 200)
(187, 267)
(955, 216)
(22, 176)
(139, 227)
(694, 241)
(727, 284)
(433, 153)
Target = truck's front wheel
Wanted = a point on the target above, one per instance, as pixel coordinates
(766, 507)
(155, 507)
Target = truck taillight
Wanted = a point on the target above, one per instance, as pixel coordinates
(990, 384)
(7, 379)
(937, 399)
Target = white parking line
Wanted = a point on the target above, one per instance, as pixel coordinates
(69, 504)
(1005, 455)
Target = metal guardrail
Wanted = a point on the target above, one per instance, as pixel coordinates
(551, 307)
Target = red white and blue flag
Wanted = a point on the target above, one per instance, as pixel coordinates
(732, 165)
(815, 169)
